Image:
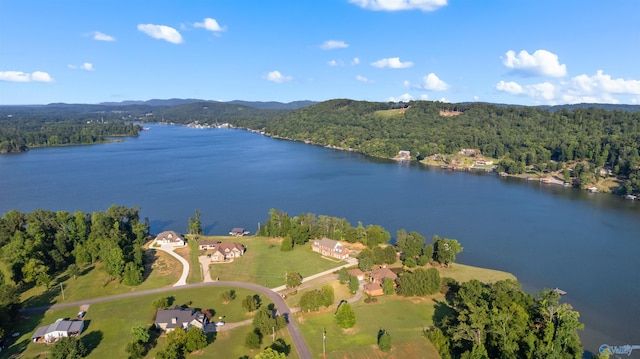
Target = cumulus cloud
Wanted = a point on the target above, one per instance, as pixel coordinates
(98, 36)
(545, 90)
(541, 62)
(599, 87)
(335, 63)
(396, 5)
(276, 76)
(210, 25)
(509, 87)
(161, 32)
(333, 44)
(355, 61)
(402, 98)
(19, 76)
(87, 66)
(431, 82)
(363, 79)
(392, 63)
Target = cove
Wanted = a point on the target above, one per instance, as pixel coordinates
(548, 236)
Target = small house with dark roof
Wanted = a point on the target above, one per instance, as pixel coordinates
(170, 319)
(62, 328)
(171, 238)
(330, 248)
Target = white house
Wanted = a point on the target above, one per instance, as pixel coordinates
(170, 237)
(60, 329)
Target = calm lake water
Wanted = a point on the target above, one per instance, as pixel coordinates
(548, 236)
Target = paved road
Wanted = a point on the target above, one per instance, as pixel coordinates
(292, 326)
(283, 309)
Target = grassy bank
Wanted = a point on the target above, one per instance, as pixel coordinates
(265, 264)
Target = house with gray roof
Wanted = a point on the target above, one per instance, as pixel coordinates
(170, 237)
(170, 319)
(62, 328)
(330, 248)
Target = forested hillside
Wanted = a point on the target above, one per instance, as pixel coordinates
(524, 135)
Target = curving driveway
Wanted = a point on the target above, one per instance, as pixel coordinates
(185, 265)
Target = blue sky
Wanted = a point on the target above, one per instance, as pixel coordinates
(528, 52)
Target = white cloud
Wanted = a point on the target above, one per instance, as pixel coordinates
(444, 100)
(161, 32)
(598, 88)
(544, 90)
(396, 5)
(335, 63)
(392, 63)
(404, 98)
(355, 61)
(210, 25)
(509, 87)
(431, 82)
(476, 98)
(363, 79)
(98, 36)
(276, 76)
(85, 66)
(333, 44)
(19, 76)
(541, 62)
(424, 97)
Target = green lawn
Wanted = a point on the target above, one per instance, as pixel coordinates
(265, 264)
(190, 253)
(107, 325)
(404, 319)
(464, 273)
(161, 270)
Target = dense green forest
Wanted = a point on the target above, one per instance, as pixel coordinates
(22, 131)
(37, 246)
(500, 320)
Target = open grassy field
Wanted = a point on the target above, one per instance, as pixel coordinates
(464, 273)
(265, 264)
(390, 113)
(403, 318)
(161, 270)
(107, 324)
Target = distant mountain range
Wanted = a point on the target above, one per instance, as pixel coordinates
(254, 104)
(156, 104)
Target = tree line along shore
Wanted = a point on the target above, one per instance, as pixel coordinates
(586, 146)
